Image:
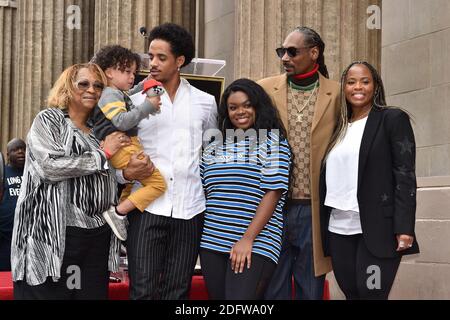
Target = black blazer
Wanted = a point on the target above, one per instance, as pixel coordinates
(386, 184)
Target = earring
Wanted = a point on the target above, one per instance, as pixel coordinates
(179, 69)
(377, 92)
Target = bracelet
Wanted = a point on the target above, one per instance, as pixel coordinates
(107, 153)
(126, 180)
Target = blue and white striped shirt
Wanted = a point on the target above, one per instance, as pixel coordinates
(236, 176)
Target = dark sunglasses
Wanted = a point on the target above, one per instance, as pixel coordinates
(85, 85)
(291, 51)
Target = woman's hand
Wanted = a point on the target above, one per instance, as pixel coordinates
(240, 253)
(114, 141)
(404, 242)
(139, 167)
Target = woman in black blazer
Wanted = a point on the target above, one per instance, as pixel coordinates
(368, 188)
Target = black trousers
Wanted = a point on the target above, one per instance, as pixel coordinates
(224, 284)
(359, 274)
(84, 272)
(162, 252)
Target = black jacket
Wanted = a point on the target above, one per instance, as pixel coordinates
(386, 184)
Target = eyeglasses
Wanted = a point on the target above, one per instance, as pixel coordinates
(291, 51)
(85, 85)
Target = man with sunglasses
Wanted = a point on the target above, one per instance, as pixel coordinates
(308, 103)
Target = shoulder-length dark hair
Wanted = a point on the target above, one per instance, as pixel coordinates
(267, 116)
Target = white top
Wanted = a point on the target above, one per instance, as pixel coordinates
(344, 222)
(173, 140)
(342, 181)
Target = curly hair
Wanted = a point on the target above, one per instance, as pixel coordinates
(64, 90)
(181, 42)
(115, 56)
(267, 116)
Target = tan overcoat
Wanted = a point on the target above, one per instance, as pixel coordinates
(325, 117)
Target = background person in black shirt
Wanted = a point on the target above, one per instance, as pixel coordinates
(11, 186)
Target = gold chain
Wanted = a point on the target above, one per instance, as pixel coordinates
(359, 118)
(306, 103)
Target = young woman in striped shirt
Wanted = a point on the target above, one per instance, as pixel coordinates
(245, 172)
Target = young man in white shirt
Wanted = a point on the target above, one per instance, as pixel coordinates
(163, 241)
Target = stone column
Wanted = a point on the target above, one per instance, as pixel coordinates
(51, 35)
(262, 25)
(8, 12)
(118, 21)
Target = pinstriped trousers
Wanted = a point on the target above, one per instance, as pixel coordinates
(162, 252)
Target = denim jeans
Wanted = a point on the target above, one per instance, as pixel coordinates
(296, 259)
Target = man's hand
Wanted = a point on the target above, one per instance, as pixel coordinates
(139, 167)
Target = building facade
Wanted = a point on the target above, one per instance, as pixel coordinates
(407, 40)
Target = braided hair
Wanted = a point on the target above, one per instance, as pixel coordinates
(313, 39)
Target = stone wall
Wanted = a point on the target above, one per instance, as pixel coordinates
(8, 13)
(38, 43)
(416, 73)
(262, 25)
(46, 45)
(427, 275)
(118, 21)
(218, 34)
(40, 38)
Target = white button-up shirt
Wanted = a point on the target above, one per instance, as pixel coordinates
(173, 140)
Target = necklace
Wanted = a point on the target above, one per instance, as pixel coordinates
(350, 123)
(307, 101)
